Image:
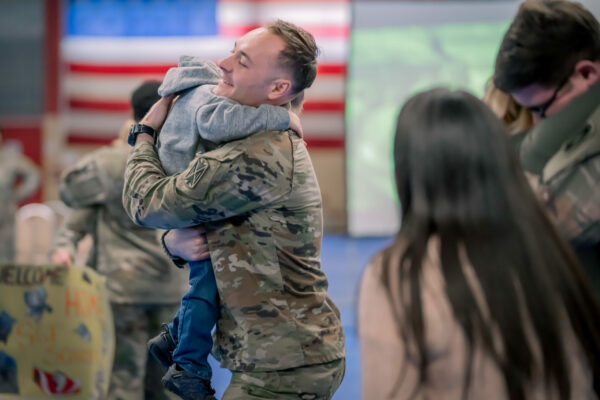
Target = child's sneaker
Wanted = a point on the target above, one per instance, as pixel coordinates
(186, 385)
(162, 346)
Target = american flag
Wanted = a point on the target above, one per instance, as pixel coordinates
(100, 71)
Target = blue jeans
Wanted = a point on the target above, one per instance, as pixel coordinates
(192, 326)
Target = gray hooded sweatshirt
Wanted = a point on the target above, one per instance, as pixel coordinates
(199, 120)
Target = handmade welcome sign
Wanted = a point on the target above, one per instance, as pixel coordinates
(56, 333)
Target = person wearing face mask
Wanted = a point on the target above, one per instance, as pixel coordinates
(549, 62)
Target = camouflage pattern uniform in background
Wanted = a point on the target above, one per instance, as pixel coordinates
(564, 150)
(259, 202)
(13, 166)
(144, 286)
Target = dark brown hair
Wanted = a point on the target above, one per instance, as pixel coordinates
(458, 179)
(143, 98)
(299, 55)
(544, 42)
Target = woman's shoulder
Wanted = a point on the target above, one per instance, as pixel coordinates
(375, 310)
(374, 273)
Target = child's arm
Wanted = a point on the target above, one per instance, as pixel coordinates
(80, 222)
(223, 120)
(295, 124)
(191, 72)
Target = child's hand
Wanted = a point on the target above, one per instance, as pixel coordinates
(295, 124)
(62, 257)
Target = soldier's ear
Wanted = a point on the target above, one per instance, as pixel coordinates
(588, 70)
(280, 89)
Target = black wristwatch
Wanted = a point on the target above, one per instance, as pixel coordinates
(136, 129)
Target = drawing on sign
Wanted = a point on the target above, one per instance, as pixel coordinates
(6, 324)
(84, 332)
(56, 382)
(36, 303)
(8, 374)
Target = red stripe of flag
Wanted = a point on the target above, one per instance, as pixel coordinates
(85, 138)
(123, 106)
(119, 69)
(325, 143)
(333, 106)
(312, 143)
(332, 69)
(98, 105)
(128, 69)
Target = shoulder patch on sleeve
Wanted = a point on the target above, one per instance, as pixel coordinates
(196, 172)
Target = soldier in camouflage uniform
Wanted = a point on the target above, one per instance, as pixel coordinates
(144, 287)
(19, 179)
(259, 203)
(549, 61)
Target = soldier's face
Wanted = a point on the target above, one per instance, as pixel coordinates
(251, 74)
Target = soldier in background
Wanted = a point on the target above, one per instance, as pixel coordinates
(19, 179)
(145, 288)
(549, 61)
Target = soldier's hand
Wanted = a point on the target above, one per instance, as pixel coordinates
(190, 244)
(295, 124)
(61, 257)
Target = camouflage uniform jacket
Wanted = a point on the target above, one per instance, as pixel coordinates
(131, 258)
(260, 204)
(564, 150)
(13, 166)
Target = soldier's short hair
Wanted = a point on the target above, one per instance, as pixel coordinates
(544, 43)
(299, 55)
(143, 97)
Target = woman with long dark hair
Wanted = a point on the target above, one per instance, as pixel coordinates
(478, 297)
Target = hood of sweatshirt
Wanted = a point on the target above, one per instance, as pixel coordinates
(190, 72)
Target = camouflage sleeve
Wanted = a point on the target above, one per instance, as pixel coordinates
(82, 184)
(216, 185)
(30, 178)
(79, 223)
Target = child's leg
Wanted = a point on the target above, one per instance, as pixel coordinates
(153, 389)
(192, 326)
(174, 324)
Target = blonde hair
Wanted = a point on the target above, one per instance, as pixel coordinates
(516, 119)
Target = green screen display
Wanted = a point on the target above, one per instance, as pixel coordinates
(386, 66)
